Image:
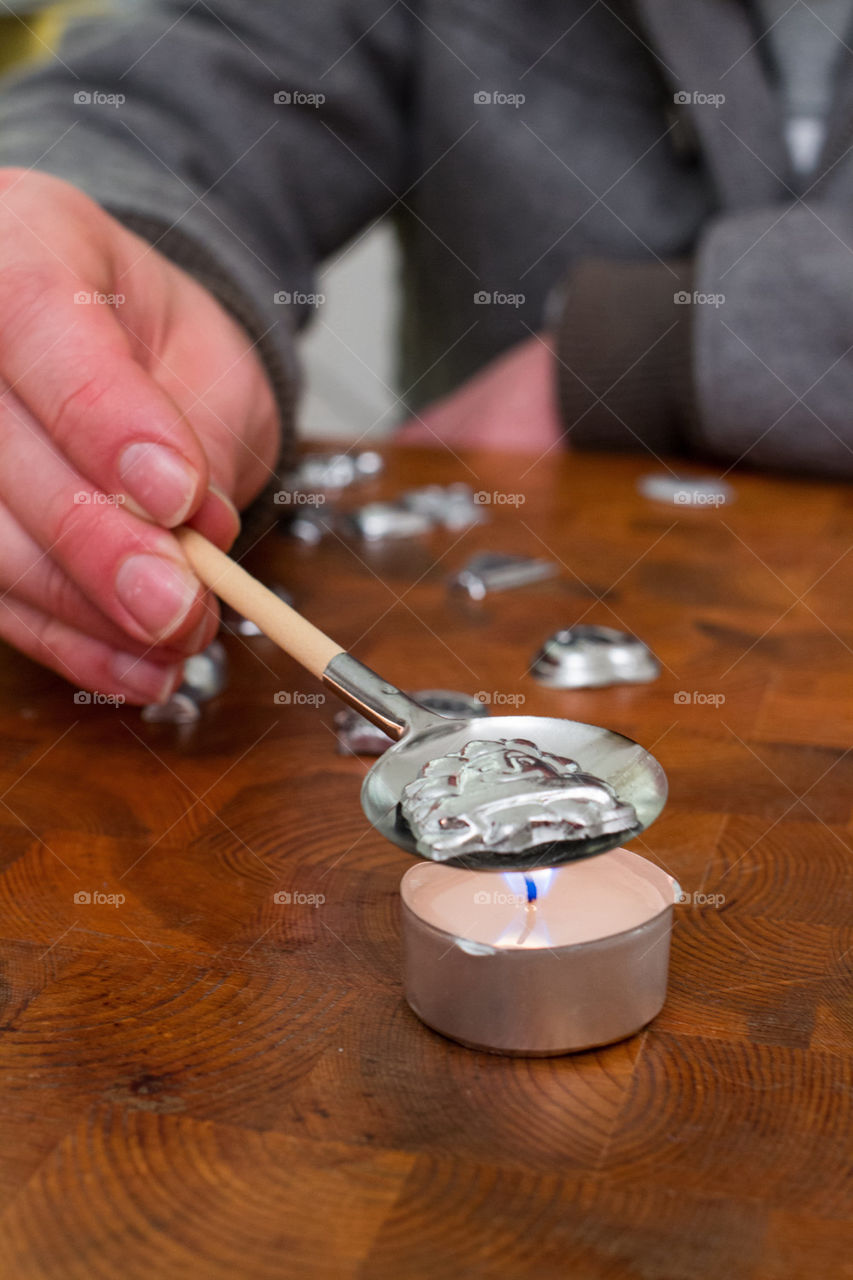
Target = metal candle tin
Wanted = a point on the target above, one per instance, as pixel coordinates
(543, 1000)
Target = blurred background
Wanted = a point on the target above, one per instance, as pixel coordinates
(348, 352)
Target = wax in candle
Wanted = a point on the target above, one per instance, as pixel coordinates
(577, 903)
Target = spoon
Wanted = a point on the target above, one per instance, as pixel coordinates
(421, 737)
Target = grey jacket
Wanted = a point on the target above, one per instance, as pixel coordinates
(512, 143)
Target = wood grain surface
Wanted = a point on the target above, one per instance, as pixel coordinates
(200, 1081)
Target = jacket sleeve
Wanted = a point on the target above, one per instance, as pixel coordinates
(245, 139)
(743, 352)
(773, 355)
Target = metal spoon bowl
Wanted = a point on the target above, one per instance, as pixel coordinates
(422, 736)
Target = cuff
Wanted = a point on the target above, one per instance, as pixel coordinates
(624, 355)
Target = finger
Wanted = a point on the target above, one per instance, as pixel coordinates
(217, 518)
(34, 578)
(84, 661)
(133, 571)
(73, 364)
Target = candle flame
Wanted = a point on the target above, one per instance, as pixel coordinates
(528, 888)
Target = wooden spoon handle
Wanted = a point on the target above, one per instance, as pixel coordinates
(287, 628)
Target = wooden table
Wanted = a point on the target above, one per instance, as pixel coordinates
(201, 1082)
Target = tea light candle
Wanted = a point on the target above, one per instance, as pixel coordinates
(545, 963)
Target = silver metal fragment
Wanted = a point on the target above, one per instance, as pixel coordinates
(206, 673)
(205, 676)
(590, 657)
(306, 526)
(490, 571)
(686, 491)
(318, 471)
(378, 521)
(180, 709)
(452, 506)
(508, 796)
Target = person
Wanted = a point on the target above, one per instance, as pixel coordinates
(644, 203)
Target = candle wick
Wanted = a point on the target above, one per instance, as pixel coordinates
(529, 913)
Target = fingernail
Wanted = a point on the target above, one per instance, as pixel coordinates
(156, 592)
(159, 481)
(149, 681)
(204, 633)
(228, 505)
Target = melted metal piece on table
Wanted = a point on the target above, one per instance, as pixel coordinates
(452, 506)
(206, 673)
(686, 491)
(180, 709)
(205, 676)
(308, 526)
(589, 657)
(380, 520)
(357, 736)
(508, 796)
(332, 470)
(491, 571)
(433, 506)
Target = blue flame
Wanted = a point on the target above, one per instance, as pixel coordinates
(529, 886)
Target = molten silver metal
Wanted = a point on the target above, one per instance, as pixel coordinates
(508, 797)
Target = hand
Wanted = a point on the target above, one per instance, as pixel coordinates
(130, 403)
(508, 405)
